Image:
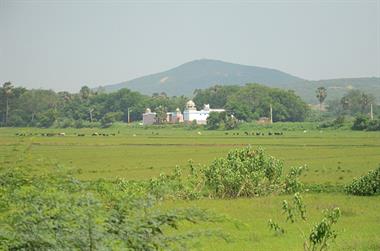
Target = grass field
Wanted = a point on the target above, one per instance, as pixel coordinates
(332, 157)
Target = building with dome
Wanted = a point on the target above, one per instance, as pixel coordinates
(149, 117)
(189, 115)
(174, 117)
(192, 114)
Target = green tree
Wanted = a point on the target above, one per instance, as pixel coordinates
(85, 92)
(321, 96)
(364, 102)
(7, 89)
(37, 102)
(110, 118)
(213, 121)
(160, 114)
(47, 119)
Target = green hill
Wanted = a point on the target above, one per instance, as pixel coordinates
(200, 74)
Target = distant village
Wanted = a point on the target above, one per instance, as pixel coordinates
(189, 115)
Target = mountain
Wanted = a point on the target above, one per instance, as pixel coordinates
(337, 88)
(203, 73)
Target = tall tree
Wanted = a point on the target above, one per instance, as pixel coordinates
(85, 92)
(321, 96)
(364, 102)
(160, 114)
(7, 89)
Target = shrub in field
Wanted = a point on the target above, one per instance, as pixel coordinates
(360, 123)
(244, 172)
(374, 125)
(368, 184)
(321, 234)
(58, 212)
(292, 182)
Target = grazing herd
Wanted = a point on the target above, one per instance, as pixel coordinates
(153, 133)
(50, 134)
(255, 133)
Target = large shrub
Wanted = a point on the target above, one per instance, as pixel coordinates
(244, 172)
(360, 123)
(368, 184)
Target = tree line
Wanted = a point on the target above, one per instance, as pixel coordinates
(21, 107)
(252, 101)
(45, 108)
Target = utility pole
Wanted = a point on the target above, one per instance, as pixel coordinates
(371, 114)
(271, 113)
(129, 118)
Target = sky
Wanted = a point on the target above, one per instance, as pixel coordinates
(63, 45)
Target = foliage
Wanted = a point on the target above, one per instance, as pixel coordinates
(374, 125)
(360, 123)
(364, 123)
(321, 94)
(21, 107)
(366, 185)
(292, 182)
(354, 103)
(336, 123)
(216, 96)
(221, 120)
(321, 234)
(244, 172)
(253, 101)
(160, 114)
(213, 121)
(47, 119)
(274, 226)
(110, 118)
(58, 212)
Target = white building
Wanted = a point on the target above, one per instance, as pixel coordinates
(149, 117)
(190, 114)
(174, 117)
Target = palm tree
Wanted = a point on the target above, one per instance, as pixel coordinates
(345, 102)
(321, 96)
(364, 102)
(7, 88)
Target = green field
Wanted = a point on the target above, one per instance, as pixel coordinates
(333, 158)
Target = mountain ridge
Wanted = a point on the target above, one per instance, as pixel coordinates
(204, 73)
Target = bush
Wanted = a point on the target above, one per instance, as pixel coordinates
(292, 182)
(58, 212)
(360, 123)
(244, 172)
(365, 185)
(337, 123)
(374, 125)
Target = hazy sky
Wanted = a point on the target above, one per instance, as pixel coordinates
(63, 45)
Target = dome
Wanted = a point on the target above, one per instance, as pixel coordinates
(177, 110)
(190, 104)
(148, 110)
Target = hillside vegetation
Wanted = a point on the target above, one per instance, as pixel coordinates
(204, 73)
